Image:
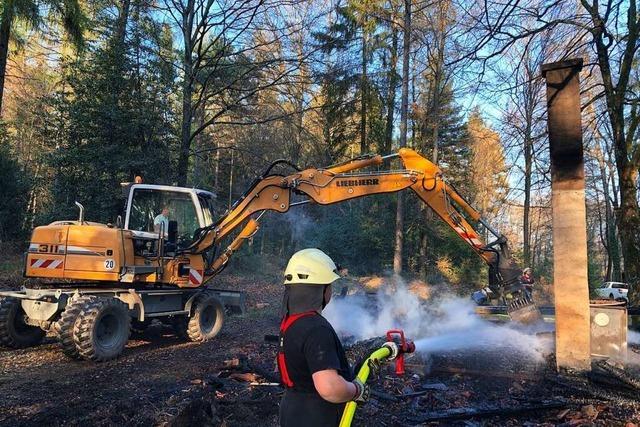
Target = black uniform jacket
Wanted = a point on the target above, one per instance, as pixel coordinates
(311, 345)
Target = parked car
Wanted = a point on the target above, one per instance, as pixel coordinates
(614, 290)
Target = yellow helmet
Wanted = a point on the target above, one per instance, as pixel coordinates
(310, 266)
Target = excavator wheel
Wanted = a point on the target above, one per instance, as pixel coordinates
(206, 319)
(102, 329)
(14, 331)
(64, 326)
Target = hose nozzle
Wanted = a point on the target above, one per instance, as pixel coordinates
(397, 341)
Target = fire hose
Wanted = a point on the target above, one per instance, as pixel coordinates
(394, 349)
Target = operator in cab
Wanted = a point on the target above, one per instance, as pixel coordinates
(161, 221)
(312, 363)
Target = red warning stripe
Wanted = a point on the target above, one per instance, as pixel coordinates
(46, 263)
(469, 236)
(195, 277)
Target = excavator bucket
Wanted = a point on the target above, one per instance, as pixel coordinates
(523, 310)
(504, 279)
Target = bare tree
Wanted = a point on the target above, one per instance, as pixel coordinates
(613, 29)
(218, 65)
(523, 120)
(598, 139)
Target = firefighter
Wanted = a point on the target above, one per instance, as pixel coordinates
(312, 363)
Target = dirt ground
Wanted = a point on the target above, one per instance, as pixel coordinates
(147, 385)
(162, 380)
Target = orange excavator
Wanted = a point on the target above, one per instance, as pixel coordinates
(104, 280)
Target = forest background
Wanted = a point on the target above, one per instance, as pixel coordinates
(205, 93)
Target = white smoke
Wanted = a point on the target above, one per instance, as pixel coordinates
(299, 222)
(360, 317)
(633, 337)
(448, 324)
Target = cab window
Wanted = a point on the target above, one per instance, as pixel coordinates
(147, 207)
(208, 209)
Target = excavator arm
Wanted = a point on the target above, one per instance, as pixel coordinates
(338, 183)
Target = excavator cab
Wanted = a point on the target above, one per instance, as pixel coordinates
(174, 212)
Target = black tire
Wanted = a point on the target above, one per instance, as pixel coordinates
(206, 319)
(64, 327)
(102, 329)
(610, 296)
(14, 332)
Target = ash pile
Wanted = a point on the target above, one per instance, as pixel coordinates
(493, 387)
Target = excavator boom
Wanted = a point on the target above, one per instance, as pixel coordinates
(342, 182)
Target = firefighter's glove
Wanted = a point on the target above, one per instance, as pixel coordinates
(362, 392)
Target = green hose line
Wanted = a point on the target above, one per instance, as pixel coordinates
(363, 375)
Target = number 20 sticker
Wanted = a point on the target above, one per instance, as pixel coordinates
(109, 264)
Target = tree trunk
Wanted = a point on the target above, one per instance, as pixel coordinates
(198, 162)
(185, 135)
(423, 254)
(607, 219)
(216, 171)
(364, 94)
(187, 92)
(297, 150)
(612, 266)
(231, 181)
(438, 78)
(5, 32)
(616, 259)
(413, 118)
(629, 227)
(391, 93)
(530, 95)
(536, 255)
(435, 108)
(121, 25)
(404, 107)
(526, 220)
(399, 235)
(435, 117)
(187, 117)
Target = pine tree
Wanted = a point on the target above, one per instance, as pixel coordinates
(31, 12)
(117, 123)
